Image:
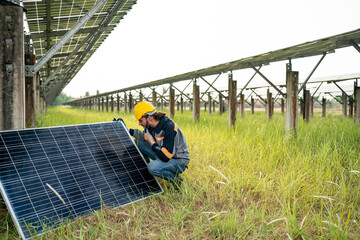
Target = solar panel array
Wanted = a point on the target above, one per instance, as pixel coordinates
(48, 175)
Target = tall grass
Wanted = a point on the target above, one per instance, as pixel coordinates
(246, 182)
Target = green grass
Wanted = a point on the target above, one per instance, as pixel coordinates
(274, 187)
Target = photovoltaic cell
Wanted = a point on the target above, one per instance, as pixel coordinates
(51, 175)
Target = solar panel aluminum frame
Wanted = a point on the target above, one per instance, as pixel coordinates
(90, 210)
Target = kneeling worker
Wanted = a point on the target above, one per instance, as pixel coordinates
(162, 141)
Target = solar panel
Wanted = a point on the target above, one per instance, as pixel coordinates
(50, 175)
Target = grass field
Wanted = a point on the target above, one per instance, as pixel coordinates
(246, 182)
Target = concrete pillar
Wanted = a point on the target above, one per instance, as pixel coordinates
(209, 102)
(37, 93)
(221, 105)
(282, 106)
(102, 103)
(242, 105)
(99, 104)
(232, 101)
(141, 96)
(131, 102)
(292, 81)
(311, 106)
(125, 103)
(323, 107)
(177, 106)
(112, 103)
(196, 102)
(351, 107)
(30, 91)
(12, 79)
(154, 101)
(357, 104)
(252, 106)
(307, 105)
(107, 104)
(171, 102)
(118, 102)
(344, 105)
(181, 104)
(269, 105)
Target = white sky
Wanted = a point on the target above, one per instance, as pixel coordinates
(163, 38)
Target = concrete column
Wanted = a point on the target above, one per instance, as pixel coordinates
(252, 106)
(131, 102)
(323, 107)
(242, 105)
(311, 106)
(181, 104)
(118, 102)
(171, 102)
(357, 104)
(196, 102)
(102, 103)
(292, 81)
(141, 96)
(30, 93)
(209, 102)
(232, 101)
(37, 93)
(177, 106)
(351, 107)
(99, 104)
(107, 104)
(125, 103)
(307, 105)
(344, 105)
(154, 101)
(112, 103)
(269, 105)
(282, 106)
(221, 105)
(12, 79)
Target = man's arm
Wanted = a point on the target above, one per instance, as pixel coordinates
(165, 152)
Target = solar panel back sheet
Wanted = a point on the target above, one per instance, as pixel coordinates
(50, 175)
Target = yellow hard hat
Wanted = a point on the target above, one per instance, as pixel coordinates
(143, 108)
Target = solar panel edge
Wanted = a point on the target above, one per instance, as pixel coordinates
(12, 213)
(71, 125)
(124, 125)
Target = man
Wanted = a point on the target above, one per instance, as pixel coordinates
(162, 141)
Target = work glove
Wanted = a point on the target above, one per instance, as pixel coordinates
(147, 135)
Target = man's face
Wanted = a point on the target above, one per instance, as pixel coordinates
(144, 122)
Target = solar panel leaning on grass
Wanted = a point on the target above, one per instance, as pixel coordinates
(51, 175)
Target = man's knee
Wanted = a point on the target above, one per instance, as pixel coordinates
(153, 168)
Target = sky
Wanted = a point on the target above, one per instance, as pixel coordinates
(164, 38)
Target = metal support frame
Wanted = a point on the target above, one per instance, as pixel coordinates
(267, 80)
(182, 92)
(354, 44)
(264, 101)
(210, 85)
(341, 89)
(243, 88)
(335, 98)
(312, 72)
(317, 89)
(67, 36)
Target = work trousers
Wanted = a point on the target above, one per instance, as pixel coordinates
(167, 170)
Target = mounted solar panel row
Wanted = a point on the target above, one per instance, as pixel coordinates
(48, 175)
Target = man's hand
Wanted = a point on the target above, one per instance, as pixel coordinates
(148, 137)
